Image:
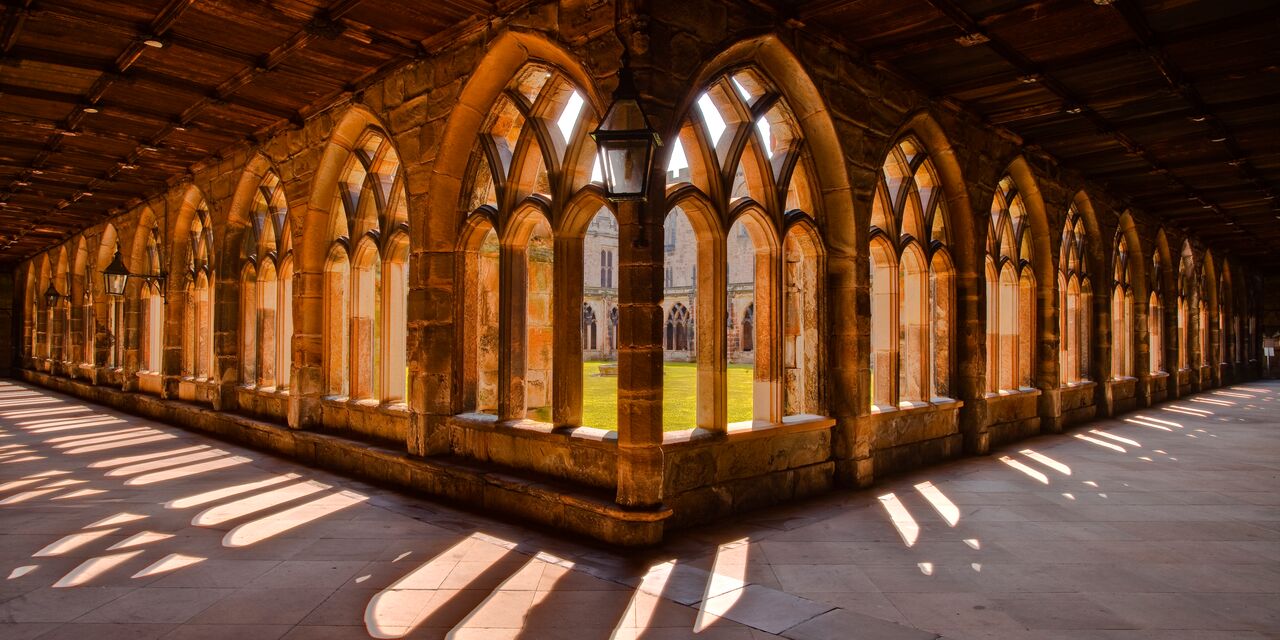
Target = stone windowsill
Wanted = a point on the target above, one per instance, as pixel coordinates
(1079, 384)
(1010, 393)
(270, 392)
(148, 374)
(535, 430)
(397, 408)
(1123, 379)
(748, 430)
(909, 406)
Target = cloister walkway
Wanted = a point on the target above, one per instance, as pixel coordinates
(1162, 524)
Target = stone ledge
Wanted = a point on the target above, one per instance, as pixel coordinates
(746, 431)
(467, 484)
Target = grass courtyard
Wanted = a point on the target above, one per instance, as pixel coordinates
(679, 389)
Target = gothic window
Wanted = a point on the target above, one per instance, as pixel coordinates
(1186, 290)
(1122, 313)
(1011, 315)
(1155, 316)
(678, 328)
(740, 169)
(1078, 316)
(197, 329)
(748, 326)
(533, 155)
(912, 284)
(152, 307)
(1202, 330)
(366, 277)
(266, 289)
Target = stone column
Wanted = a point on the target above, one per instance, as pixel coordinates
(1048, 362)
(431, 345)
(225, 368)
(513, 292)
(131, 333)
(566, 391)
(306, 384)
(1142, 356)
(640, 464)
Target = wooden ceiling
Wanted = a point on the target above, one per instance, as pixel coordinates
(102, 101)
(1174, 105)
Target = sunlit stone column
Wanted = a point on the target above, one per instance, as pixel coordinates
(640, 465)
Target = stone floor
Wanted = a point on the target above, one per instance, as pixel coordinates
(1164, 524)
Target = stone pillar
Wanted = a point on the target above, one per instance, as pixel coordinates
(225, 368)
(1048, 361)
(131, 333)
(431, 346)
(175, 304)
(306, 382)
(640, 463)
(566, 391)
(513, 292)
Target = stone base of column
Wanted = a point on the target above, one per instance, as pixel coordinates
(225, 397)
(1050, 410)
(304, 411)
(427, 436)
(973, 426)
(640, 477)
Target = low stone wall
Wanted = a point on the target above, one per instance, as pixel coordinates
(709, 476)
(1079, 403)
(1159, 386)
(369, 421)
(266, 405)
(1124, 395)
(1012, 417)
(583, 455)
(909, 438)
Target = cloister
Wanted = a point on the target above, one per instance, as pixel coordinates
(860, 243)
(404, 273)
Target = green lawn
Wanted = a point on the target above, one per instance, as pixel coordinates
(679, 388)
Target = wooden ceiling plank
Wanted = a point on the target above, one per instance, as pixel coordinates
(1028, 71)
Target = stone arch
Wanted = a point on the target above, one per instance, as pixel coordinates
(346, 134)
(1097, 260)
(241, 204)
(1138, 340)
(1137, 254)
(505, 56)
(785, 70)
(1099, 296)
(1211, 352)
(578, 213)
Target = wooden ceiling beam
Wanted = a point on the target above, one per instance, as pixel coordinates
(1028, 71)
(163, 21)
(1180, 84)
(14, 19)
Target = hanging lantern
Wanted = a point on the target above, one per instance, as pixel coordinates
(115, 276)
(626, 142)
(51, 295)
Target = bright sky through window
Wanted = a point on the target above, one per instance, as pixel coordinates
(568, 120)
(678, 161)
(711, 115)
